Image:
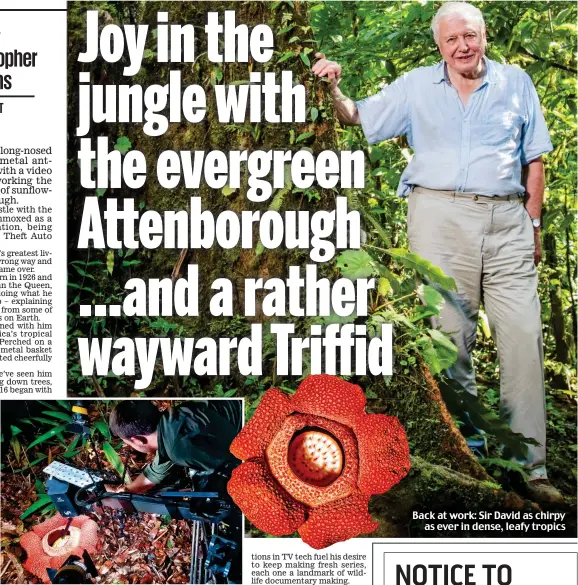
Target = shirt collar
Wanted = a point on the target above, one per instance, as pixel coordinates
(440, 73)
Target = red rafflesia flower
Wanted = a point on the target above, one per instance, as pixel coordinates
(47, 547)
(312, 462)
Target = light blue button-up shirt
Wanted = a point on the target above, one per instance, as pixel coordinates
(479, 148)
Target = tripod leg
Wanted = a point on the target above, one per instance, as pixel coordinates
(195, 534)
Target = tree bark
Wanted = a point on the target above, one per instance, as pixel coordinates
(556, 308)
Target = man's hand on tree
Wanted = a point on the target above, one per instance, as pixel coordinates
(345, 108)
(331, 69)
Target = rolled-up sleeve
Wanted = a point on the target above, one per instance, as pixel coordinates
(535, 136)
(385, 114)
(158, 471)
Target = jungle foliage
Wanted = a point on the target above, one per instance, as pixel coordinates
(375, 43)
(378, 42)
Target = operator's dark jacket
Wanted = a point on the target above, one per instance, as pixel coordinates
(196, 436)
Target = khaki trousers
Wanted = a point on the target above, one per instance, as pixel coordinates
(487, 246)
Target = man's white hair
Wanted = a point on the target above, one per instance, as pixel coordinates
(456, 10)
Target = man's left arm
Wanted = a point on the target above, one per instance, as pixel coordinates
(534, 182)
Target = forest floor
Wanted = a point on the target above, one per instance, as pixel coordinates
(139, 548)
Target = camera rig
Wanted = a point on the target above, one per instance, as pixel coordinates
(75, 491)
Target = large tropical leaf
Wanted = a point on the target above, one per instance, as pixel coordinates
(42, 501)
(47, 436)
(58, 415)
(103, 428)
(355, 264)
(16, 448)
(113, 458)
(437, 350)
(462, 404)
(422, 266)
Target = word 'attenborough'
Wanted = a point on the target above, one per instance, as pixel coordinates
(198, 229)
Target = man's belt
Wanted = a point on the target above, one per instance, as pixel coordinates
(471, 196)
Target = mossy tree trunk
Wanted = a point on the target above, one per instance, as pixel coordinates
(235, 264)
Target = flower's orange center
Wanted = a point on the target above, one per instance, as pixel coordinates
(315, 457)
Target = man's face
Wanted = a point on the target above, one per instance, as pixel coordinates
(140, 444)
(462, 45)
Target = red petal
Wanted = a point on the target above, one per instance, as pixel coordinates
(88, 533)
(263, 501)
(37, 566)
(45, 527)
(254, 437)
(312, 495)
(383, 452)
(331, 397)
(37, 561)
(338, 521)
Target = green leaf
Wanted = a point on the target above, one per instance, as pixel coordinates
(83, 272)
(15, 430)
(123, 144)
(506, 464)
(103, 428)
(430, 296)
(446, 351)
(429, 354)
(423, 312)
(423, 267)
(303, 136)
(305, 59)
(286, 56)
(459, 401)
(41, 419)
(113, 458)
(383, 287)
(100, 192)
(483, 320)
(110, 261)
(369, 393)
(335, 318)
(42, 501)
(46, 436)
(15, 443)
(71, 447)
(378, 227)
(33, 463)
(355, 264)
(226, 190)
(286, 29)
(314, 114)
(51, 405)
(380, 171)
(59, 415)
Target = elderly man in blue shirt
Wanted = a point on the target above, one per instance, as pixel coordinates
(475, 186)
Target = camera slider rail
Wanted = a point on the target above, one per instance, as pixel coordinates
(73, 491)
